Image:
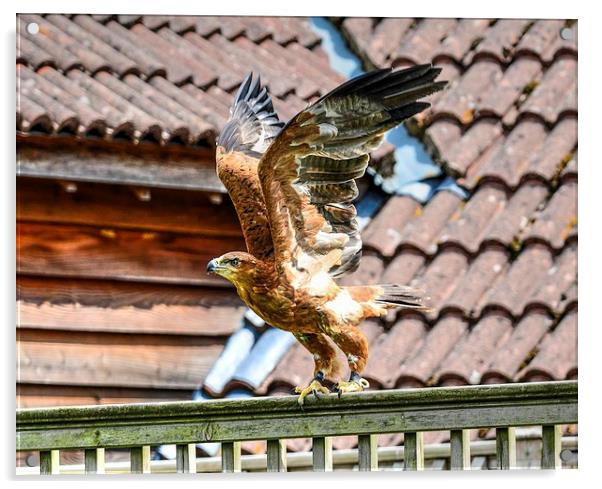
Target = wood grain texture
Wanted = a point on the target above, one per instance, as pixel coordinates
(505, 447)
(44, 395)
(276, 456)
(322, 453)
(390, 411)
(186, 458)
(367, 452)
(550, 453)
(187, 171)
(90, 252)
(140, 460)
(117, 206)
(413, 443)
(78, 358)
(49, 462)
(231, 456)
(460, 450)
(94, 461)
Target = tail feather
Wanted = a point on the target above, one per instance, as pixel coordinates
(403, 296)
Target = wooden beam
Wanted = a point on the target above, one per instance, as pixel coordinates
(231, 456)
(106, 164)
(460, 449)
(186, 458)
(114, 206)
(94, 460)
(276, 456)
(45, 395)
(413, 443)
(148, 361)
(49, 462)
(368, 452)
(506, 448)
(99, 253)
(111, 306)
(390, 411)
(322, 453)
(551, 444)
(140, 460)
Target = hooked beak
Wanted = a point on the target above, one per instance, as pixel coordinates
(212, 266)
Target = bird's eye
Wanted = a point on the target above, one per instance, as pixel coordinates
(234, 262)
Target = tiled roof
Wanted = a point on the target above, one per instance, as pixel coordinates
(156, 78)
(500, 267)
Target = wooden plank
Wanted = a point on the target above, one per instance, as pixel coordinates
(551, 445)
(186, 458)
(97, 305)
(49, 462)
(58, 250)
(39, 395)
(322, 453)
(94, 461)
(116, 206)
(367, 452)
(103, 164)
(82, 358)
(413, 443)
(276, 456)
(231, 456)
(506, 448)
(460, 449)
(391, 411)
(140, 460)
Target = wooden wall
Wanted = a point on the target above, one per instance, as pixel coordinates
(114, 304)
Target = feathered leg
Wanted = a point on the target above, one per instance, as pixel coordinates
(325, 359)
(355, 346)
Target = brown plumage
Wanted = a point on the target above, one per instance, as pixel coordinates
(292, 187)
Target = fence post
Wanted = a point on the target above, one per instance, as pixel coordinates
(413, 451)
(186, 458)
(459, 443)
(231, 456)
(94, 461)
(140, 460)
(49, 462)
(551, 443)
(322, 453)
(367, 452)
(276, 456)
(505, 442)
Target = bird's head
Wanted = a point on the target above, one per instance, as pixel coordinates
(238, 267)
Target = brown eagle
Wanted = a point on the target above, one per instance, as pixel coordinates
(292, 186)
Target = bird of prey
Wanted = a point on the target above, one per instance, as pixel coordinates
(292, 186)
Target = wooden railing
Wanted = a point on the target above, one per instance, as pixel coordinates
(366, 414)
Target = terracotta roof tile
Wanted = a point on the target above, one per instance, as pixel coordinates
(422, 43)
(538, 38)
(438, 343)
(513, 292)
(441, 276)
(554, 95)
(518, 211)
(470, 356)
(384, 232)
(510, 162)
(458, 42)
(500, 39)
(459, 155)
(464, 98)
(421, 231)
(558, 219)
(467, 226)
(557, 355)
(519, 348)
(483, 271)
(369, 272)
(561, 45)
(403, 267)
(389, 350)
(388, 32)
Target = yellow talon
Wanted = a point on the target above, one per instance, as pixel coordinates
(314, 386)
(356, 385)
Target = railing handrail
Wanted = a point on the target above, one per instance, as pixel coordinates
(388, 411)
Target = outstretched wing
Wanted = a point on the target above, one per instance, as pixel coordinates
(308, 172)
(252, 126)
